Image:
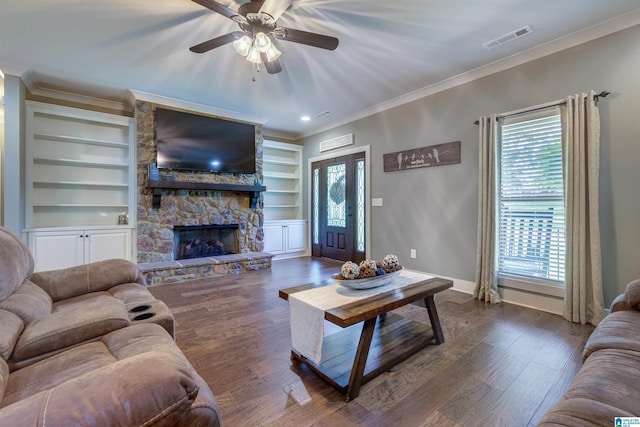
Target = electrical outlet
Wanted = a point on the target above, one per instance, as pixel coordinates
(413, 253)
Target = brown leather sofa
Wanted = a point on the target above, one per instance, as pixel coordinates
(608, 384)
(90, 346)
(54, 310)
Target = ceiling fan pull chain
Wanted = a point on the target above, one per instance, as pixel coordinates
(255, 70)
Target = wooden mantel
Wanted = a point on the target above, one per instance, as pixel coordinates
(253, 190)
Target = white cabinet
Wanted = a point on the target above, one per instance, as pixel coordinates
(80, 166)
(282, 167)
(61, 248)
(286, 239)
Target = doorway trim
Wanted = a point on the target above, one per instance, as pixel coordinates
(367, 188)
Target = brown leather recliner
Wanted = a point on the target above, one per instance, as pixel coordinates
(58, 309)
(71, 352)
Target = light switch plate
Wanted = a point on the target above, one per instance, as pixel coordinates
(376, 202)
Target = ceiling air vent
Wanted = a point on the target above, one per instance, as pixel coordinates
(506, 38)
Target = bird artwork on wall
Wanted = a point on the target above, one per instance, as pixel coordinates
(433, 155)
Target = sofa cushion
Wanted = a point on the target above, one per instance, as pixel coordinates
(10, 328)
(76, 303)
(29, 302)
(16, 262)
(581, 413)
(64, 328)
(618, 330)
(81, 279)
(152, 388)
(80, 360)
(602, 390)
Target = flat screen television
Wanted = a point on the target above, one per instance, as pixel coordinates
(192, 142)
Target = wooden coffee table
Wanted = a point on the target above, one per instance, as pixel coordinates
(348, 361)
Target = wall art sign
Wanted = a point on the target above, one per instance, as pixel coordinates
(424, 157)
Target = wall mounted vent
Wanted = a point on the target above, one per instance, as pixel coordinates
(506, 38)
(338, 142)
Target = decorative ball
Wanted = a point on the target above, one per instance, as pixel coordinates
(380, 272)
(391, 261)
(365, 273)
(350, 270)
(368, 263)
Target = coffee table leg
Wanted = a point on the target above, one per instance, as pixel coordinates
(359, 363)
(430, 303)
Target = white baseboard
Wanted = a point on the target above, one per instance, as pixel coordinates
(532, 300)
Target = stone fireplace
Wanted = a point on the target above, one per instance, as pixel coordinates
(164, 213)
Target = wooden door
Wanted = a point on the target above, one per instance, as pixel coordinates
(338, 208)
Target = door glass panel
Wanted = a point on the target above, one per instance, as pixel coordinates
(360, 205)
(316, 206)
(336, 192)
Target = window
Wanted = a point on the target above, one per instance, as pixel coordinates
(531, 243)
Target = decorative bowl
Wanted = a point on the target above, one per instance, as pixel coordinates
(368, 283)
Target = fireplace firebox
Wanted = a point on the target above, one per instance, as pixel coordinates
(205, 240)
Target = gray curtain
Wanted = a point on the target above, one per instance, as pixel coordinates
(584, 301)
(486, 277)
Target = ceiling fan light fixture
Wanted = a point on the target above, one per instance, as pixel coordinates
(272, 53)
(262, 42)
(242, 45)
(254, 56)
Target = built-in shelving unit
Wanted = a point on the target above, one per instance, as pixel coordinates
(80, 166)
(285, 229)
(282, 167)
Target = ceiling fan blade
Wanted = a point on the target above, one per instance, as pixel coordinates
(275, 8)
(272, 67)
(221, 9)
(304, 37)
(216, 42)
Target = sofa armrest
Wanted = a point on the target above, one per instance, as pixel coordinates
(620, 304)
(154, 388)
(632, 294)
(82, 279)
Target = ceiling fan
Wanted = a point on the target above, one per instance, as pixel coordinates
(257, 20)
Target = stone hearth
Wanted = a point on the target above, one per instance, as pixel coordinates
(160, 273)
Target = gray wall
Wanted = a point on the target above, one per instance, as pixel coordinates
(434, 210)
(14, 154)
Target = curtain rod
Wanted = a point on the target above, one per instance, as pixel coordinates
(597, 96)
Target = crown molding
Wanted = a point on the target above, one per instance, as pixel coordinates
(582, 36)
(270, 133)
(33, 86)
(13, 70)
(193, 106)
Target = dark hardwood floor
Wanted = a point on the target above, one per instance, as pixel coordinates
(500, 365)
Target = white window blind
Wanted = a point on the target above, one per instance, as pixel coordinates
(531, 197)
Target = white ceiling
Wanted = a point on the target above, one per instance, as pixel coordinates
(389, 50)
